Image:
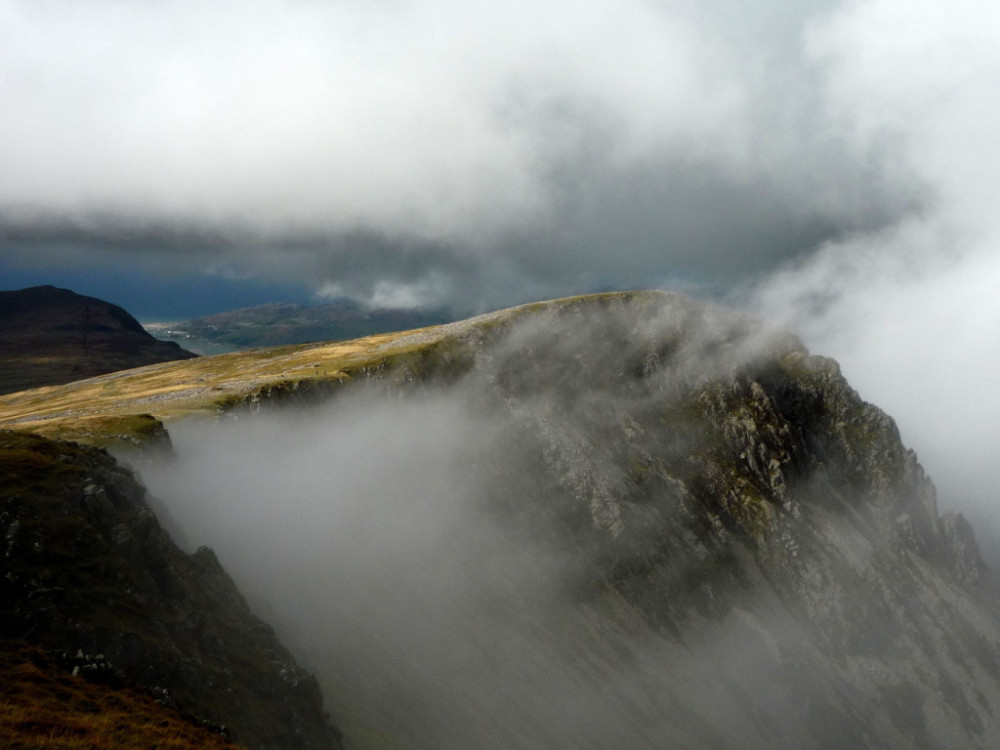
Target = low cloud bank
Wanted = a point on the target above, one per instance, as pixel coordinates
(427, 551)
(363, 534)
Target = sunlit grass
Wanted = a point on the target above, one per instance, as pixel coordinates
(99, 408)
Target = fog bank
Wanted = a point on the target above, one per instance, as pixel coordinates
(362, 532)
(437, 553)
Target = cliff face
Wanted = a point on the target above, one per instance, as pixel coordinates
(87, 570)
(50, 336)
(718, 485)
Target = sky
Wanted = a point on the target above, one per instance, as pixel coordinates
(832, 165)
(433, 152)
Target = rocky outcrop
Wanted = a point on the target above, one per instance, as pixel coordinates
(720, 485)
(86, 570)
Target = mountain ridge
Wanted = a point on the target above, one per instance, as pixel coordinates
(752, 557)
(110, 409)
(710, 474)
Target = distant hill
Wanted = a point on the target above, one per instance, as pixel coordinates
(50, 336)
(285, 323)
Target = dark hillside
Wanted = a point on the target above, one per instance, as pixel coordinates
(50, 336)
(86, 569)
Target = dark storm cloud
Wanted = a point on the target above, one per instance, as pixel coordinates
(471, 156)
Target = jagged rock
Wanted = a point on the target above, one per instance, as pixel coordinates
(715, 478)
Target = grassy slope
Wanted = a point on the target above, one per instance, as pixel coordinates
(106, 406)
(43, 706)
(111, 408)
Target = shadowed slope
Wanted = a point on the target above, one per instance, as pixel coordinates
(50, 336)
(87, 568)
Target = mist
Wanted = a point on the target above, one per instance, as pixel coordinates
(523, 557)
(911, 311)
(435, 554)
(917, 336)
(362, 533)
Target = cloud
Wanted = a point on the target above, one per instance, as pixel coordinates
(911, 311)
(510, 148)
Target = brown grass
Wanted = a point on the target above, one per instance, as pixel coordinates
(43, 706)
(101, 408)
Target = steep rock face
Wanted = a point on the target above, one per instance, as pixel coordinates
(50, 336)
(719, 484)
(86, 569)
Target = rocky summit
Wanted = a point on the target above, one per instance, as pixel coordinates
(722, 486)
(753, 557)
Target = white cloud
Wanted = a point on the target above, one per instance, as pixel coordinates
(438, 120)
(912, 311)
(408, 116)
